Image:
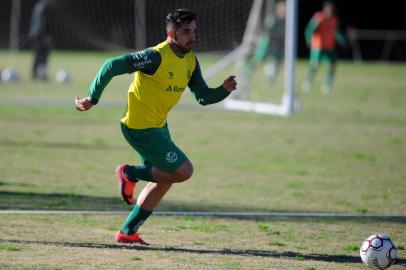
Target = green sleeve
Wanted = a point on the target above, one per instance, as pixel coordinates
(261, 50)
(310, 28)
(203, 94)
(340, 38)
(146, 61)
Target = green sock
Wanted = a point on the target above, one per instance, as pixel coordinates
(330, 75)
(139, 172)
(311, 72)
(136, 218)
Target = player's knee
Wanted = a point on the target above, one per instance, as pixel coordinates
(184, 172)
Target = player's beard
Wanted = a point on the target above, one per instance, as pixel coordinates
(184, 49)
(181, 48)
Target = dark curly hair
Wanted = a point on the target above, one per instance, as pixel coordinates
(178, 17)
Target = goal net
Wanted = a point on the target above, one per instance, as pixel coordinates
(264, 61)
(253, 39)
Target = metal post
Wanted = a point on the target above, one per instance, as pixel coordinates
(353, 40)
(140, 24)
(15, 25)
(389, 40)
(290, 55)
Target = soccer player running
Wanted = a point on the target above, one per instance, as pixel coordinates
(321, 35)
(161, 75)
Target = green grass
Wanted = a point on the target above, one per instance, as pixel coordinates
(57, 241)
(344, 152)
(9, 247)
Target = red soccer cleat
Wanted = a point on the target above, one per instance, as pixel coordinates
(130, 239)
(126, 186)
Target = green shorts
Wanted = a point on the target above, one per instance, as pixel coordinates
(155, 147)
(317, 55)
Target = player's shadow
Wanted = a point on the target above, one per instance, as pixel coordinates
(220, 252)
(62, 201)
(57, 201)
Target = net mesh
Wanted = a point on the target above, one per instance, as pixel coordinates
(112, 25)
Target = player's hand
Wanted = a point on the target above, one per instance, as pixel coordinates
(230, 84)
(83, 104)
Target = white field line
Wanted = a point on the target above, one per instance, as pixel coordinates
(259, 215)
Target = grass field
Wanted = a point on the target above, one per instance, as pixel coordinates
(345, 152)
(85, 242)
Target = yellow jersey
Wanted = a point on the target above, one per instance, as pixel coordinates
(160, 79)
(151, 97)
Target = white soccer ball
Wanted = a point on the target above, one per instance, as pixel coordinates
(9, 75)
(63, 76)
(378, 251)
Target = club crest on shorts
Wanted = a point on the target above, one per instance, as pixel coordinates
(171, 157)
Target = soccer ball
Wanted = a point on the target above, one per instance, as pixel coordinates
(9, 75)
(378, 251)
(63, 76)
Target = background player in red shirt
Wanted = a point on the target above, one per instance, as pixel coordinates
(322, 35)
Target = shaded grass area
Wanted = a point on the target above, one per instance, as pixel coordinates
(62, 201)
(29, 200)
(66, 241)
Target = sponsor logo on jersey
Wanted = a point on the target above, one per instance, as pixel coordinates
(171, 157)
(175, 89)
(140, 64)
(170, 75)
